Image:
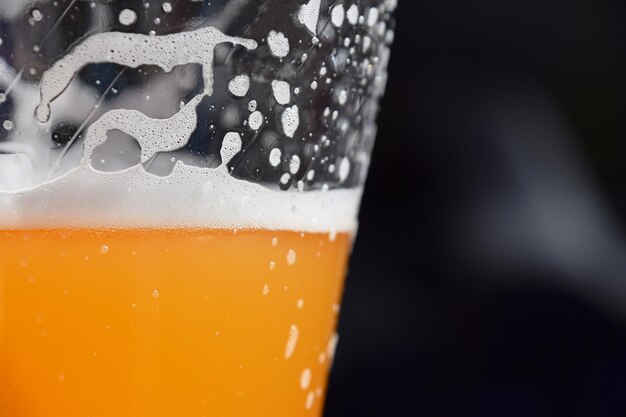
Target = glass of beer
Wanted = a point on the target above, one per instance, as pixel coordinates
(179, 190)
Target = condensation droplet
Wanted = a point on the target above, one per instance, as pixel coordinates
(104, 249)
(7, 124)
(292, 340)
(331, 348)
(291, 257)
(266, 289)
(344, 169)
(167, 7)
(305, 379)
(156, 293)
(300, 304)
(310, 398)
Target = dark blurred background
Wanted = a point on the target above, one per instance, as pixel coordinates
(489, 275)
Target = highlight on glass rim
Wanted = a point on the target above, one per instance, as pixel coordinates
(179, 189)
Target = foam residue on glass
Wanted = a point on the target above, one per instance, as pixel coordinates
(220, 120)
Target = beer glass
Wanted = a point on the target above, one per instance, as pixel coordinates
(179, 187)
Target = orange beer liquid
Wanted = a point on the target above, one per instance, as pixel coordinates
(169, 323)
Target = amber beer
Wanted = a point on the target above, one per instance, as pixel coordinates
(158, 322)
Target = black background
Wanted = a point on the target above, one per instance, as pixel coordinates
(489, 275)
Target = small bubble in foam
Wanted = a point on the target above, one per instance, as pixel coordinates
(7, 125)
(291, 257)
(284, 179)
(252, 105)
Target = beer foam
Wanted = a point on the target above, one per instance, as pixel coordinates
(190, 196)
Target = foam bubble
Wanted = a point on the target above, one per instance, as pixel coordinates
(294, 164)
(309, 15)
(255, 121)
(275, 156)
(239, 85)
(353, 14)
(281, 91)
(134, 50)
(278, 43)
(337, 15)
(372, 16)
(290, 120)
(127, 17)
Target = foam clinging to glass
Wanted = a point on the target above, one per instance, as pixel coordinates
(190, 196)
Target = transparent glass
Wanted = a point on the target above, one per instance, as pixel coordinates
(179, 189)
